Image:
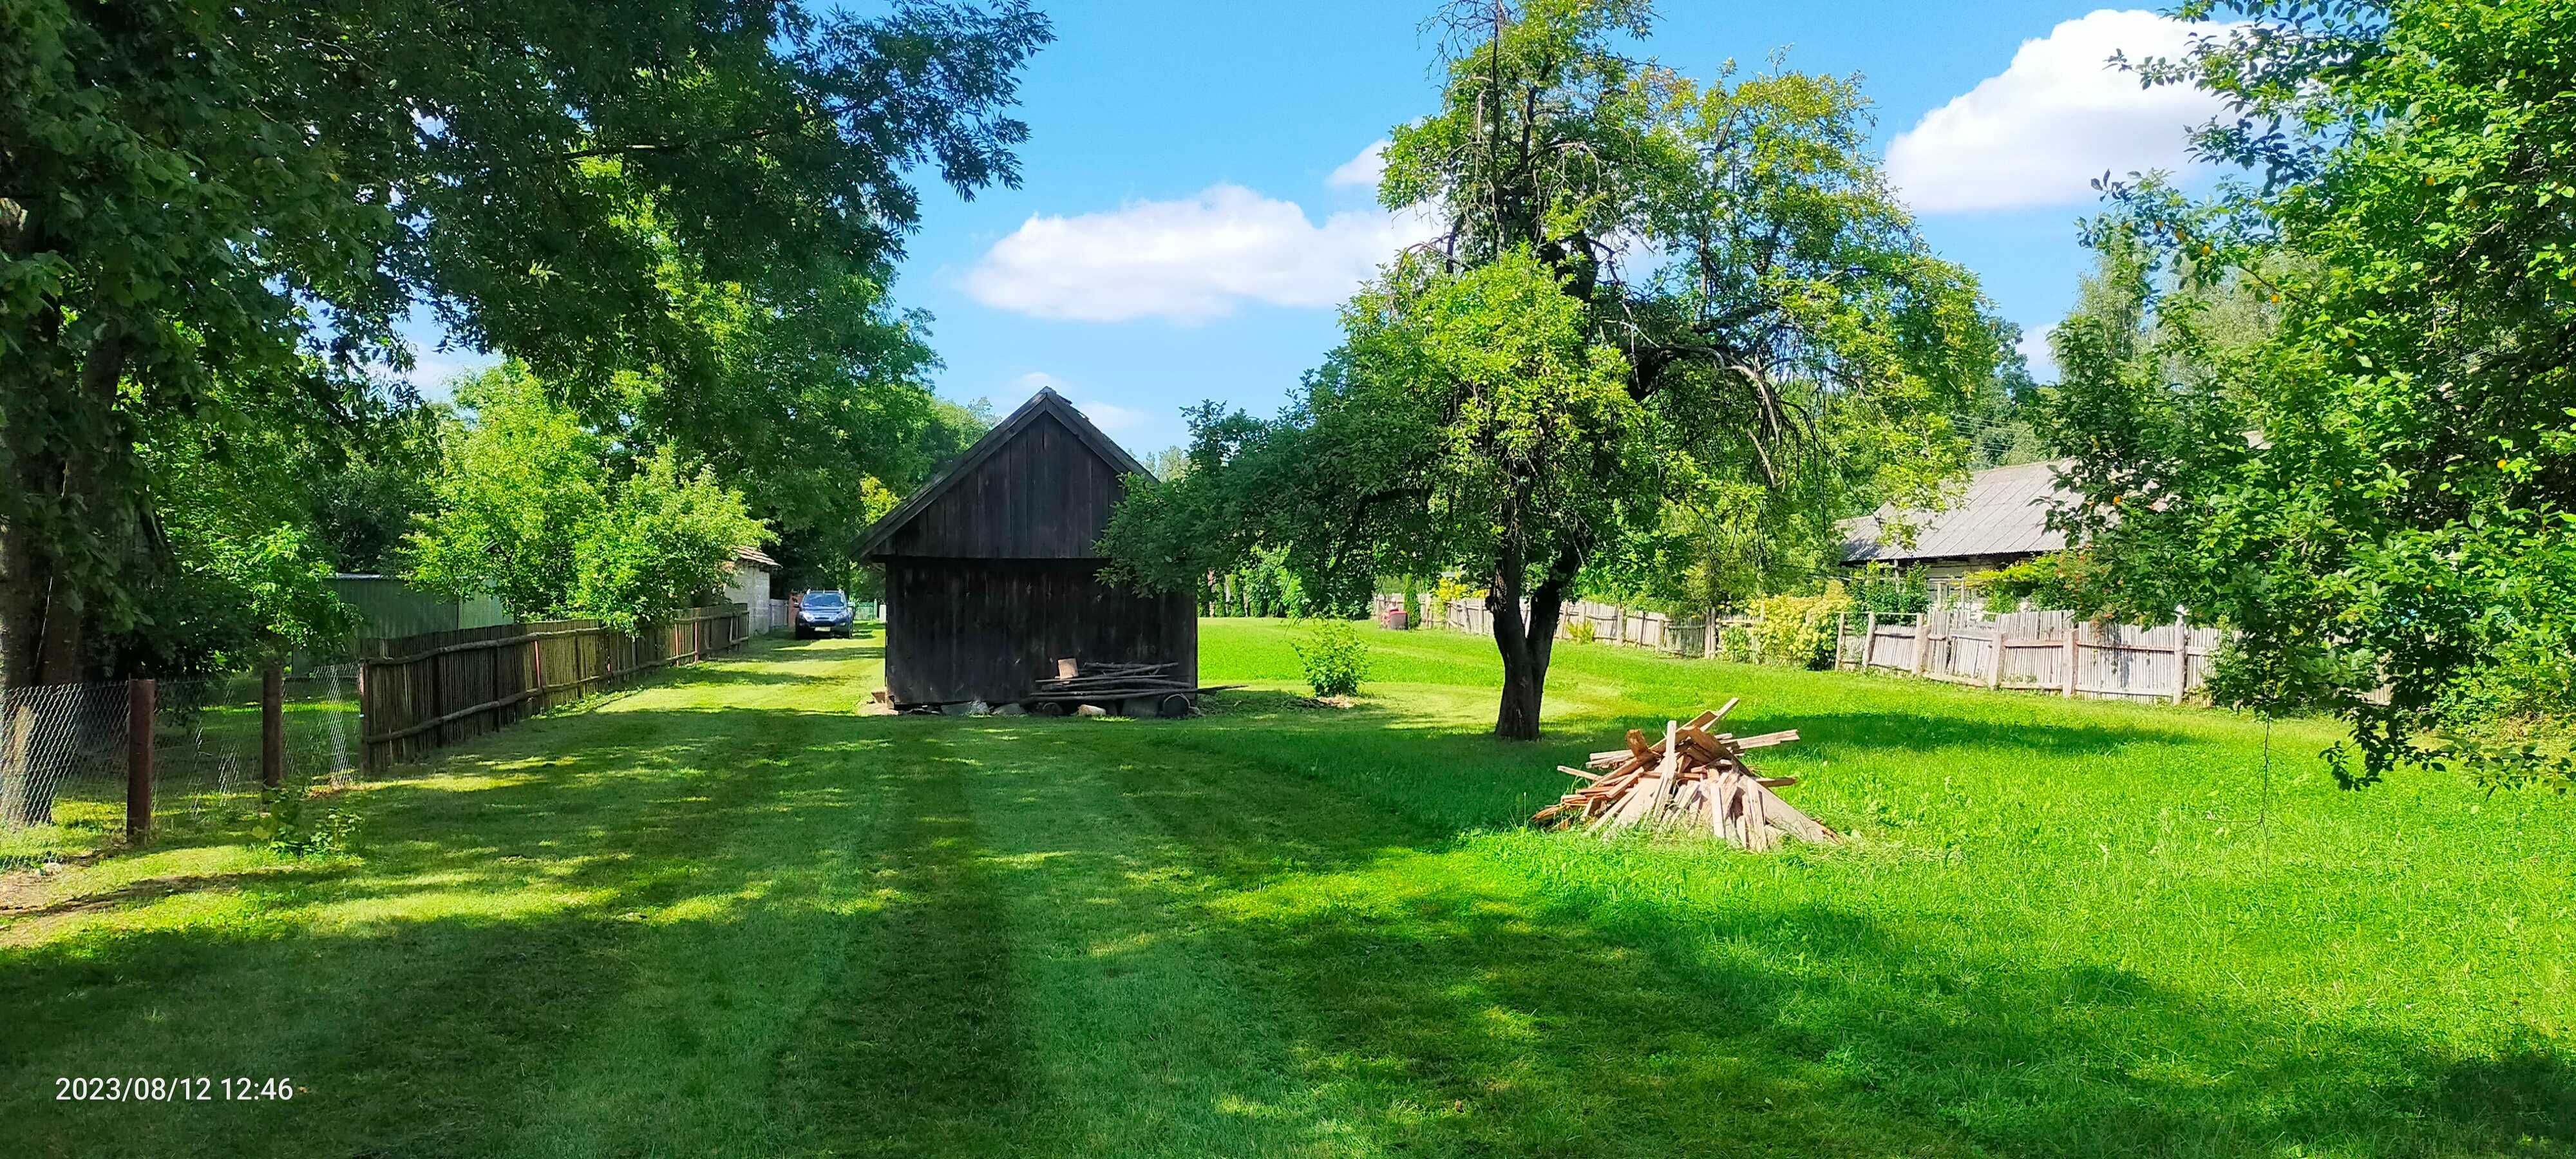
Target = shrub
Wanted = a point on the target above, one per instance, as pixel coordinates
(1798, 629)
(290, 828)
(1890, 591)
(1448, 590)
(1581, 630)
(1736, 644)
(1336, 659)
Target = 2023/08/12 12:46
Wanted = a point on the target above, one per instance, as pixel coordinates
(173, 1089)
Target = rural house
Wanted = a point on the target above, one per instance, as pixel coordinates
(993, 569)
(747, 582)
(2001, 519)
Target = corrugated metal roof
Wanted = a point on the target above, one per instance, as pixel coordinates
(2004, 512)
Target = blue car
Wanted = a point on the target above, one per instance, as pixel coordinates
(824, 614)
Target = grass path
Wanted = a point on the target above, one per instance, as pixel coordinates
(727, 915)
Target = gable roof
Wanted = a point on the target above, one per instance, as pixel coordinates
(1045, 404)
(2004, 512)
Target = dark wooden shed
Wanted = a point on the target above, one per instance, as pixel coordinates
(993, 568)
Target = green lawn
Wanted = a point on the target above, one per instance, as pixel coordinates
(727, 915)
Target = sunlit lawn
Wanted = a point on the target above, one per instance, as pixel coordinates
(728, 915)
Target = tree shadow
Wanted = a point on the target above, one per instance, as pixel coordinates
(1430, 998)
(1594, 1014)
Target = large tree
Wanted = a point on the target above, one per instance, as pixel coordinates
(2378, 492)
(256, 193)
(1785, 347)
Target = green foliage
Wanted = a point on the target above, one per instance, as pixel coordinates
(2378, 482)
(663, 543)
(1661, 315)
(2058, 581)
(1581, 630)
(1798, 630)
(1333, 656)
(365, 493)
(238, 575)
(222, 215)
(533, 512)
(289, 825)
(1889, 591)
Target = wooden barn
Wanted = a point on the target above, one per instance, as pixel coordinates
(993, 569)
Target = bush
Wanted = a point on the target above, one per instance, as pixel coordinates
(1798, 629)
(291, 828)
(1581, 630)
(1334, 656)
(1890, 591)
(1736, 644)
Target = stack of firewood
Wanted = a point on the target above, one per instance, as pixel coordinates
(1692, 780)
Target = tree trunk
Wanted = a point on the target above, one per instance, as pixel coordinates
(1527, 642)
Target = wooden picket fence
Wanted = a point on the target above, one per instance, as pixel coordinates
(1611, 624)
(2041, 651)
(420, 693)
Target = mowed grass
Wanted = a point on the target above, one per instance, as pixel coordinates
(727, 915)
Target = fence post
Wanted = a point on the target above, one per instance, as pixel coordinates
(1995, 672)
(2182, 658)
(537, 675)
(1922, 642)
(138, 758)
(1868, 640)
(2073, 657)
(1839, 617)
(1708, 638)
(272, 726)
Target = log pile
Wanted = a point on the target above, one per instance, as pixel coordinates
(1131, 689)
(1692, 780)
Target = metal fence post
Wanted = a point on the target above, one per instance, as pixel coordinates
(2182, 659)
(272, 726)
(138, 758)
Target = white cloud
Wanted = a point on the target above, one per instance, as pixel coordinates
(434, 372)
(1363, 170)
(1114, 420)
(1132, 427)
(2060, 116)
(2035, 351)
(1188, 260)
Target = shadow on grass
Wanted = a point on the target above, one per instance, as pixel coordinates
(1433, 998)
(1597, 1015)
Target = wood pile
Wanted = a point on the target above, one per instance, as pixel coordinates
(1692, 780)
(1136, 688)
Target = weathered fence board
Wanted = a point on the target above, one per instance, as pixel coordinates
(2045, 651)
(2027, 650)
(421, 693)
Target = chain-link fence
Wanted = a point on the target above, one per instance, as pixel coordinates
(62, 771)
(68, 757)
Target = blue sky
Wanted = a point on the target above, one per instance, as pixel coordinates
(1194, 199)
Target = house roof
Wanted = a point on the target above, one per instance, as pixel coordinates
(755, 557)
(1046, 403)
(2004, 512)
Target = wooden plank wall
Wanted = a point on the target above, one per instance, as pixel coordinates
(1042, 495)
(417, 694)
(984, 629)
